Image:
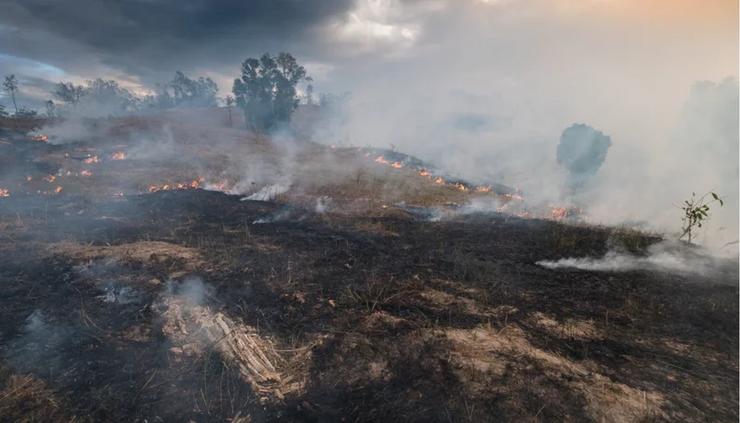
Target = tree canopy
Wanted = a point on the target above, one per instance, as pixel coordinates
(266, 91)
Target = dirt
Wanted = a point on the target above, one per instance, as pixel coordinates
(180, 305)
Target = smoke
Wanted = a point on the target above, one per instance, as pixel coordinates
(666, 256)
(38, 348)
(192, 291)
(486, 91)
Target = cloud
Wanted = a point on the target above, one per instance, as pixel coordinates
(150, 39)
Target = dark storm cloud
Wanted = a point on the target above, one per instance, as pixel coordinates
(149, 37)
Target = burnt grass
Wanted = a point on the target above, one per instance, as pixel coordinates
(364, 308)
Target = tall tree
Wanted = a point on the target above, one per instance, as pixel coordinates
(309, 91)
(229, 104)
(50, 109)
(11, 86)
(266, 90)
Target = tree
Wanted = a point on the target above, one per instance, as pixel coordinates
(50, 109)
(696, 212)
(11, 86)
(266, 90)
(69, 93)
(188, 92)
(229, 105)
(581, 151)
(3, 113)
(309, 91)
(107, 96)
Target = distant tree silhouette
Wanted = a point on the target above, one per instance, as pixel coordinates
(266, 91)
(581, 151)
(188, 92)
(68, 92)
(309, 91)
(229, 104)
(11, 86)
(50, 109)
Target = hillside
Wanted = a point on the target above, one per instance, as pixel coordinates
(160, 269)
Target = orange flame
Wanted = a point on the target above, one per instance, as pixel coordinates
(381, 160)
(439, 180)
(91, 160)
(58, 189)
(483, 188)
(40, 138)
(461, 187)
(194, 184)
(50, 178)
(4, 192)
(86, 173)
(425, 173)
(558, 213)
(118, 155)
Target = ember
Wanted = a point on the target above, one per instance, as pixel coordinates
(40, 138)
(86, 173)
(49, 178)
(4, 192)
(92, 159)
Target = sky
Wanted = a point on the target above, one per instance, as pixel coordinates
(483, 87)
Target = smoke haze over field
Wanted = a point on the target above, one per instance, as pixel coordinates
(484, 88)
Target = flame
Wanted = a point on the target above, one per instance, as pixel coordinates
(29, 178)
(92, 159)
(49, 179)
(40, 138)
(4, 192)
(58, 189)
(439, 180)
(461, 187)
(396, 165)
(194, 184)
(483, 188)
(514, 196)
(86, 173)
(425, 173)
(381, 160)
(118, 155)
(558, 213)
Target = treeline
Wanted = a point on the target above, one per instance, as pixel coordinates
(266, 92)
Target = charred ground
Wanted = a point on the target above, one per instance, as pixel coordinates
(108, 304)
